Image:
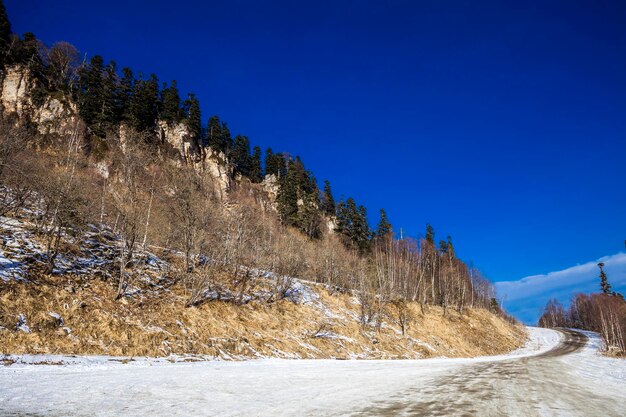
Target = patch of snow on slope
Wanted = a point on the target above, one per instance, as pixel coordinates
(540, 340)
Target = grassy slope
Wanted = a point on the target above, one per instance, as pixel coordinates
(157, 323)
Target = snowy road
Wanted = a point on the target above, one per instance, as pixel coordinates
(554, 375)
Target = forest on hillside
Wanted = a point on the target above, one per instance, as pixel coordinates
(150, 196)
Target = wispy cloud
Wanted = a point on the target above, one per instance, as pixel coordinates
(526, 297)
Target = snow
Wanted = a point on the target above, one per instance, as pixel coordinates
(173, 386)
(594, 368)
(98, 254)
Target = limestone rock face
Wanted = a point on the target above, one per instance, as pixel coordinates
(14, 90)
(271, 186)
(179, 136)
(215, 164)
(331, 224)
(55, 116)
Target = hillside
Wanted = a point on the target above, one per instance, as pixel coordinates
(74, 311)
(129, 228)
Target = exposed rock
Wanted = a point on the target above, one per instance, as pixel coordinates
(21, 324)
(216, 165)
(55, 116)
(58, 320)
(178, 135)
(271, 186)
(331, 224)
(14, 90)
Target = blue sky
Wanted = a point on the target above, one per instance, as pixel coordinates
(500, 123)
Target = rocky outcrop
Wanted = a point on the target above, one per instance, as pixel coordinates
(55, 116)
(216, 165)
(271, 186)
(180, 138)
(15, 96)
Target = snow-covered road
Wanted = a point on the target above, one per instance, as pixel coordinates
(527, 382)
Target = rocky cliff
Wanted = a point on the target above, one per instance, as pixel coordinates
(57, 115)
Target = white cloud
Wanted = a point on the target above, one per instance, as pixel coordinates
(526, 297)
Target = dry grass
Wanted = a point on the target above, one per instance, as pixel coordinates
(159, 324)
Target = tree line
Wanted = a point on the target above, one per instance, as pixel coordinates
(603, 312)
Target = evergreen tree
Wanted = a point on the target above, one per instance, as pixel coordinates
(443, 246)
(309, 219)
(171, 111)
(91, 93)
(281, 163)
(430, 234)
(362, 230)
(109, 116)
(227, 139)
(256, 171)
(287, 199)
(341, 218)
(604, 282)
(193, 118)
(240, 156)
(218, 136)
(450, 246)
(144, 104)
(5, 34)
(328, 202)
(271, 163)
(125, 93)
(27, 53)
(275, 164)
(352, 225)
(214, 135)
(383, 229)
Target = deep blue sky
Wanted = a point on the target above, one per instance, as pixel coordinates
(502, 124)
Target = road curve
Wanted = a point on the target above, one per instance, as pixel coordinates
(540, 385)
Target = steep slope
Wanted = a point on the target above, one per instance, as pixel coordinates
(74, 311)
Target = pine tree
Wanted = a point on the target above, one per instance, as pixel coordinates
(218, 136)
(240, 156)
(309, 219)
(144, 104)
(193, 118)
(352, 225)
(450, 246)
(227, 139)
(328, 202)
(281, 163)
(109, 116)
(271, 163)
(90, 94)
(362, 230)
(5, 34)
(443, 246)
(171, 111)
(430, 234)
(125, 93)
(256, 171)
(604, 282)
(383, 229)
(214, 135)
(287, 198)
(300, 174)
(27, 53)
